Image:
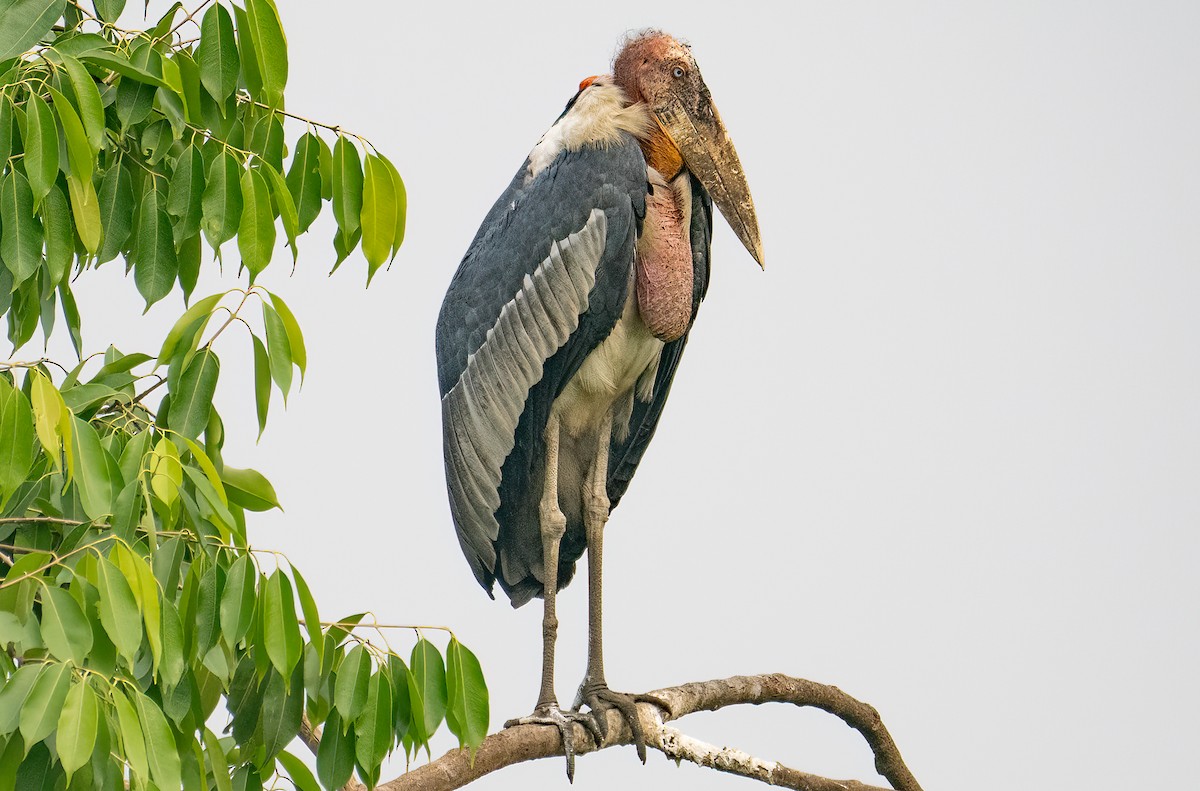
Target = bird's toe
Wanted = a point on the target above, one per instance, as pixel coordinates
(564, 721)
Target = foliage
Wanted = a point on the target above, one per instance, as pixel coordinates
(145, 641)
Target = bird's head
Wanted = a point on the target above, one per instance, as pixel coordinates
(656, 69)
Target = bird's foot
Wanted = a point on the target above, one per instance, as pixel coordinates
(599, 699)
(565, 722)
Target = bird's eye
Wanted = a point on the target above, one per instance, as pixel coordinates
(678, 72)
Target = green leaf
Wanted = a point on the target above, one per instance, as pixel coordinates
(15, 692)
(19, 448)
(81, 398)
(192, 401)
(71, 312)
(41, 147)
(208, 605)
(218, 762)
(166, 473)
(135, 97)
(119, 613)
(265, 138)
(286, 207)
(335, 754)
(85, 207)
(299, 773)
(280, 350)
(189, 265)
(116, 209)
(251, 77)
(25, 311)
(109, 10)
(10, 132)
(262, 383)
(132, 457)
(138, 75)
(401, 205)
(308, 606)
(380, 214)
(59, 235)
(98, 478)
(172, 662)
(222, 200)
(133, 740)
(155, 262)
(39, 771)
(401, 704)
(80, 155)
(304, 180)
(427, 684)
(244, 700)
(467, 704)
(203, 307)
(39, 714)
(20, 229)
(160, 744)
(91, 108)
(351, 684)
(189, 75)
(325, 163)
(270, 49)
(51, 418)
(183, 198)
(347, 188)
(217, 54)
(146, 591)
(47, 311)
(209, 469)
(281, 710)
(24, 22)
(237, 600)
(280, 627)
(256, 231)
(373, 728)
(249, 489)
(292, 330)
(64, 627)
(166, 23)
(77, 727)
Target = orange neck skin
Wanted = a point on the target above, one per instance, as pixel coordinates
(661, 153)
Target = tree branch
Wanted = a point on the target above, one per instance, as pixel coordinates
(529, 742)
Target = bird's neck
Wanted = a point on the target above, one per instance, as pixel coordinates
(661, 152)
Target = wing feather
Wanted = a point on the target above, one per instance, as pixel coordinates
(521, 298)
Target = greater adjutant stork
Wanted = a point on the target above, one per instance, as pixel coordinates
(559, 336)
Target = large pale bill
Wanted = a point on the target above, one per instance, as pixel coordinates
(708, 152)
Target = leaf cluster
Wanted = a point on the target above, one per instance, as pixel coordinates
(134, 615)
(145, 145)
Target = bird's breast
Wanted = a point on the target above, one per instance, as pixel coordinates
(624, 361)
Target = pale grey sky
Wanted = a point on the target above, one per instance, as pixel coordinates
(944, 453)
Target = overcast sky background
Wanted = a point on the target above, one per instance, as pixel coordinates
(944, 453)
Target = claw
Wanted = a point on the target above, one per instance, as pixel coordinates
(600, 699)
(564, 722)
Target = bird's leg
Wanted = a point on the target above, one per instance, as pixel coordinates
(594, 690)
(553, 526)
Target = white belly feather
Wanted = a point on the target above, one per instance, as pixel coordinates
(626, 360)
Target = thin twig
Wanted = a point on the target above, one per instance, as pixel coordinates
(190, 17)
(245, 99)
